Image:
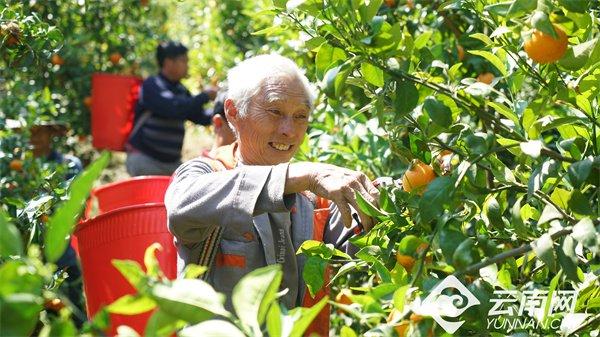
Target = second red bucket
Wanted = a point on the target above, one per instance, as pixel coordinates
(113, 97)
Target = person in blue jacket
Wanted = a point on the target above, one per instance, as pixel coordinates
(164, 104)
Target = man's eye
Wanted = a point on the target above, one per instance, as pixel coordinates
(274, 111)
(301, 117)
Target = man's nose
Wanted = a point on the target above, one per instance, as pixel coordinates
(286, 126)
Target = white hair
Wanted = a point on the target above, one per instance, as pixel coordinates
(246, 79)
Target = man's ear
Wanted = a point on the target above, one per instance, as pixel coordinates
(230, 110)
(217, 121)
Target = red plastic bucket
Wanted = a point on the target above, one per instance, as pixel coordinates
(133, 191)
(122, 234)
(113, 97)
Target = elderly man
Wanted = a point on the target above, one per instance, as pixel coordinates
(254, 194)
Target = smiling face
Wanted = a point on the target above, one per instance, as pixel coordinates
(275, 124)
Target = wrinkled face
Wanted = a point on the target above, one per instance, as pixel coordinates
(274, 126)
(176, 67)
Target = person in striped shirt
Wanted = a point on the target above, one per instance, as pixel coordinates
(164, 104)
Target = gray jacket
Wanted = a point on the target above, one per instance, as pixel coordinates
(261, 225)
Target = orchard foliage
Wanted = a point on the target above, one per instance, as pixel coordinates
(515, 204)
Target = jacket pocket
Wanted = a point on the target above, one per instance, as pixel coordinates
(235, 259)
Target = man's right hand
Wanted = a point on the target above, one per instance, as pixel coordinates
(211, 91)
(336, 184)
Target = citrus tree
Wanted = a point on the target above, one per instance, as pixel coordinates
(490, 110)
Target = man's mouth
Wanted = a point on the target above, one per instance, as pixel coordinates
(280, 146)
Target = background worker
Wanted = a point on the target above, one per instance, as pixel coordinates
(163, 106)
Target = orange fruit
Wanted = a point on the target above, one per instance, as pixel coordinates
(11, 32)
(144, 3)
(460, 52)
(54, 304)
(486, 78)
(410, 4)
(390, 3)
(402, 328)
(343, 297)
(417, 177)
(416, 318)
(16, 165)
(87, 101)
(405, 261)
(115, 58)
(543, 48)
(57, 60)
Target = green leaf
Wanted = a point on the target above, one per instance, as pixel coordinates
(368, 208)
(400, 297)
(372, 74)
(493, 59)
(549, 213)
(541, 22)
(579, 203)
(254, 294)
(347, 331)
(579, 55)
(500, 8)
(161, 324)
(544, 250)
(466, 254)
(422, 39)
(368, 10)
(62, 327)
(437, 194)
(520, 7)
(407, 97)
(409, 244)
(194, 271)
(150, 261)
(505, 111)
(326, 57)
(11, 242)
(579, 172)
(439, 113)
(274, 324)
(61, 224)
(551, 289)
(585, 233)
(24, 311)
(306, 316)
(568, 259)
(132, 271)
(131, 305)
(579, 6)
(314, 274)
(212, 328)
(191, 300)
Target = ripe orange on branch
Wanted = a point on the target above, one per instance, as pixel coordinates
(543, 48)
(417, 177)
(486, 78)
(406, 261)
(115, 58)
(87, 101)
(16, 165)
(10, 33)
(57, 60)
